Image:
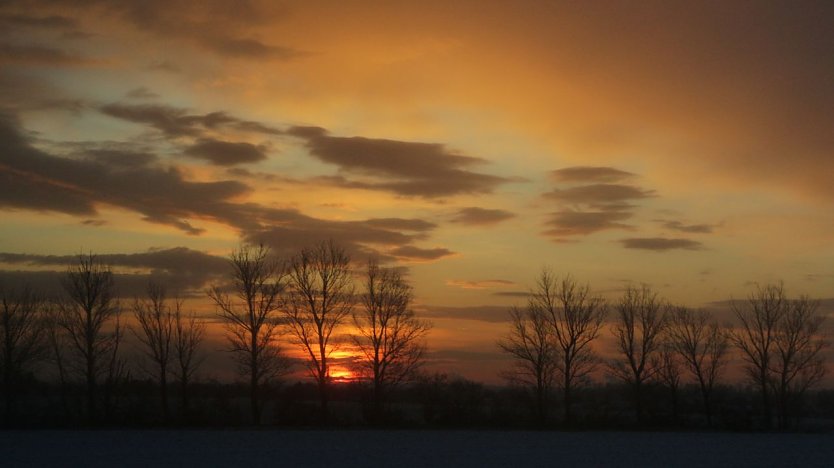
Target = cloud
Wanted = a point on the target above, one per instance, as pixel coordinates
(225, 153)
(661, 244)
(512, 293)
(248, 48)
(141, 93)
(579, 223)
(115, 156)
(287, 232)
(590, 174)
(13, 54)
(178, 122)
(406, 168)
(485, 313)
(180, 269)
(479, 284)
(474, 216)
(690, 228)
(410, 252)
(43, 22)
(406, 224)
(213, 26)
(35, 180)
(591, 208)
(600, 195)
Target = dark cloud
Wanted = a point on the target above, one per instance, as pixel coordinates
(590, 174)
(479, 284)
(287, 233)
(407, 168)
(690, 228)
(35, 180)
(573, 223)
(32, 21)
(94, 222)
(410, 252)
(248, 48)
(226, 153)
(661, 244)
(486, 313)
(474, 216)
(141, 93)
(217, 27)
(178, 122)
(606, 195)
(117, 157)
(14, 54)
(179, 269)
(403, 224)
(595, 207)
(512, 293)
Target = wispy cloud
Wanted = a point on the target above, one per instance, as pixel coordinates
(661, 244)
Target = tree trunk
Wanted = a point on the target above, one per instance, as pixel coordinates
(767, 411)
(184, 398)
(163, 388)
(91, 390)
(568, 397)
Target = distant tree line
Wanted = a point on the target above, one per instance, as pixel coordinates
(308, 298)
(667, 368)
(658, 344)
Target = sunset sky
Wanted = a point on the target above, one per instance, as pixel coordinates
(685, 145)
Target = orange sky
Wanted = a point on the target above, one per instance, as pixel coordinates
(686, 145)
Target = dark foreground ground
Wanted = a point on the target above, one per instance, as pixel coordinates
(359, 448)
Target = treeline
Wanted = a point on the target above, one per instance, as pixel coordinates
(661, 345)
(668, 369)
(309, 298)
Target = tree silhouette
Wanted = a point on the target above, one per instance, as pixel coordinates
(250, 318)
(156, 328)
(86, 310)
(639, 322)
(702, 345)
(530, 344)
(798, 362)
(389, 336)
(669, 373)
(319, 299)
(22, 340)
(756, 338)
(188, 334)
(575, 321)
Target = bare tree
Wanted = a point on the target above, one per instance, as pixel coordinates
(798, 362)
(22, 339)
(116, 372)
(575, 321)
(639, 322)
(57, 343)
(756, 337)
(389, 336)
(156, 328)
(188, 334)
(529, 343)
(669, 373)
(250, 318)
(85, 313)
(320, 297)
(702, 345)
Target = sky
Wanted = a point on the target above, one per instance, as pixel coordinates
(682, 145)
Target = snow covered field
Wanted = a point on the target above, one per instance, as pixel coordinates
(359, 448)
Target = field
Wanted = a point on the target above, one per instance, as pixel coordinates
(360, 448)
